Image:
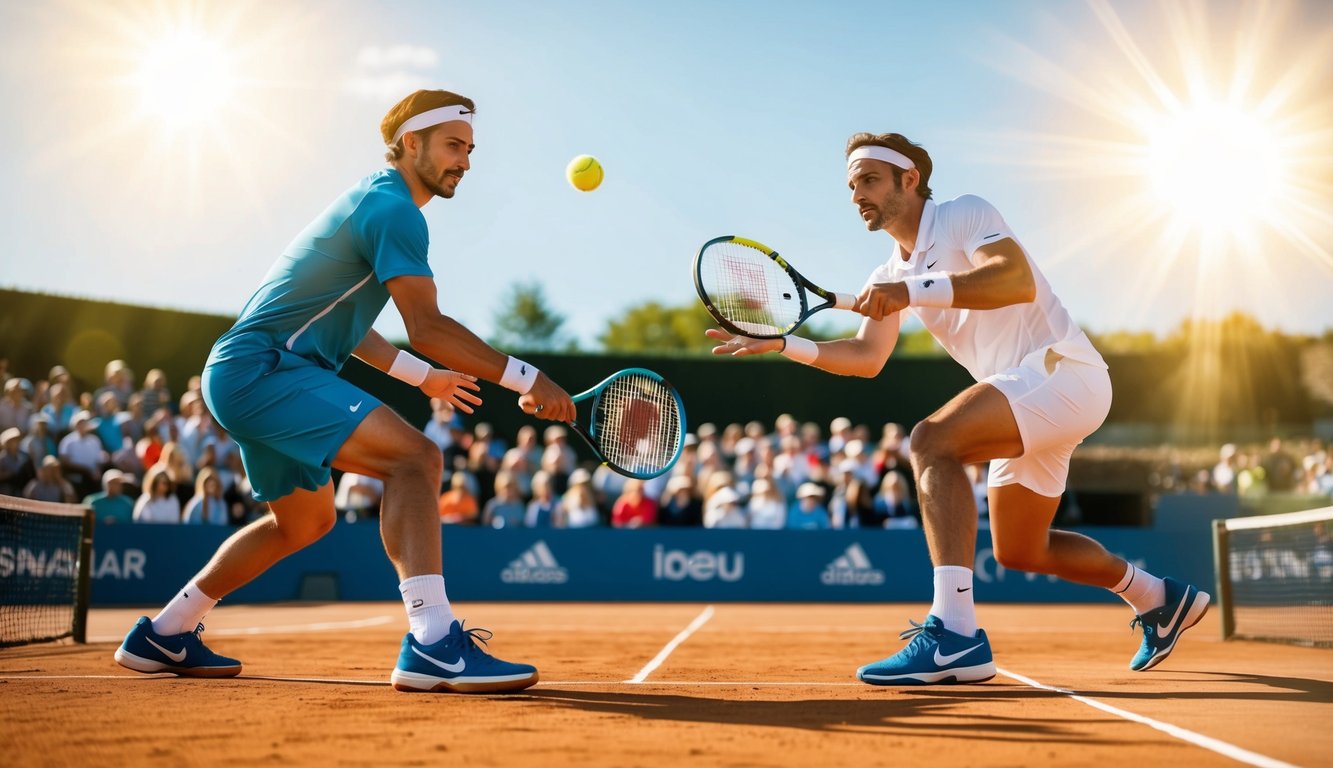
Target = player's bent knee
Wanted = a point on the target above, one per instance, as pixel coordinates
(930, 441)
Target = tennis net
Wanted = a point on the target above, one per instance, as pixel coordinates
(45, 571)
(1275, 576)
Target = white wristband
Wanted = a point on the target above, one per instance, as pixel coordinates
(519, 376)
(800, 349)
(409, 368)
(933, 289)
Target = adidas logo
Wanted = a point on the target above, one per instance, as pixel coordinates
(852, 569)
(535, 566)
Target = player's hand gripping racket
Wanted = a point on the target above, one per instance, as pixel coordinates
(637, 424)
(752, 291)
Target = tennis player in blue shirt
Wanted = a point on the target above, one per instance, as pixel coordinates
(272, 382)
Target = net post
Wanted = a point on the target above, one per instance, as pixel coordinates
(85, 584)
(1222, 561)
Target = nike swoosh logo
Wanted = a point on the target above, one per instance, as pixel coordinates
(932, 264)
(1165, 630)
(355, 408)
(177, 657)
(964, 589)
(942, 659)
(459, 667)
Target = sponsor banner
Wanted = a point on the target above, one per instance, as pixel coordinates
(146, 564)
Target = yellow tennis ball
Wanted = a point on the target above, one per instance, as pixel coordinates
(584, 173)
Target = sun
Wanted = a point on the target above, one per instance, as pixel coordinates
(1217, 165)
(184, 77)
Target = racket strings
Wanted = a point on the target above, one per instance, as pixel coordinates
(638, 424)
(749, 289)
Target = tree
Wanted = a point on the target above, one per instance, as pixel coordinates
(525, 321)
(655, 327)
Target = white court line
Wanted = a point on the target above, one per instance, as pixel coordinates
(353, 681)
(1197, 739)
(277, 629)
(662, 655)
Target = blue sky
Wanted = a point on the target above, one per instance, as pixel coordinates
(709, 118)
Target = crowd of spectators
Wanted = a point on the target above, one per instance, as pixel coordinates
(133, 451)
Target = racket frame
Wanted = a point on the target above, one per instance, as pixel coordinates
(590, 436)
(830, 298)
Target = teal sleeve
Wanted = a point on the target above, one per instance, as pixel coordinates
(394, 235)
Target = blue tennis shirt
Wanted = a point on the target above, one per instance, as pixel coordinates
(321, 297)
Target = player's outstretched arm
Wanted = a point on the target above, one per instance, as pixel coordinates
(1001, 276)
(862, 355)
(445, 340)
(453, 387)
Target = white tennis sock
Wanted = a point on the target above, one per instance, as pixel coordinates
(185, 611)
(953, 599)
(1141, 589)
(428, 611)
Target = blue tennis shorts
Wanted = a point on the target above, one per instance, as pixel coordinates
(289, 416)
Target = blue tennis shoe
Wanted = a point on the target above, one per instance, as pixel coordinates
(935, 655)
(1162, 627)
(144, 650)
(458, 664)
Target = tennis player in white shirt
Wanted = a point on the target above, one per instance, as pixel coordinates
(1041, 388)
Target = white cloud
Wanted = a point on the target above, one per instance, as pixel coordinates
(387, 73)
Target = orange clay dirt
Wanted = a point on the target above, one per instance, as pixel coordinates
(754, 685)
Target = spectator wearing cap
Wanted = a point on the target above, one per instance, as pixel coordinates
(16, 409)
(118, 381)
(59, 374)
(680, 508)
(839, 432)
(541, 509)
(768, 510)
(16, 469)
(40, 442)
(723, 510)
(50, 484)
(558, 458)
(808, 511)
(358, 496)
(158, 502)
(60, 408)
(81, 453)
(206, 507)
(1224, 472)
(111, 504)
(578, 508)
(634, 509)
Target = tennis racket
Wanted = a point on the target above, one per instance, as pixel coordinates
(752, 291)
(637, 423)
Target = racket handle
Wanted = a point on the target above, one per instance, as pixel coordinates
(843, 300)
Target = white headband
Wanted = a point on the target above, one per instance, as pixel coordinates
(883, 154)
(433, 117)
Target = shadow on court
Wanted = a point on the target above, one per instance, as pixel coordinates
(1208, 686)
(901, 713)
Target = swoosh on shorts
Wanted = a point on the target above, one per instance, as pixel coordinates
(458, 667)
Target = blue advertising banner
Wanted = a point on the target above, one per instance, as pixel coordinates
(145, 564)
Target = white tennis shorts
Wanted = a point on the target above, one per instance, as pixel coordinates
(1057, 402)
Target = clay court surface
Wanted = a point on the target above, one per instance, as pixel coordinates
(664, 684)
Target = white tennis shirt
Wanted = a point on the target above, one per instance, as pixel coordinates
(985, 341)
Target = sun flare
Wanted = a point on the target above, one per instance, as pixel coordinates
(1218, 166)
(185, 77)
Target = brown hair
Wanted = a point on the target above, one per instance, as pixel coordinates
(898, 143)
(416, 103)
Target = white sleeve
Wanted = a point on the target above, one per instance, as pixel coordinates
(970, 222)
